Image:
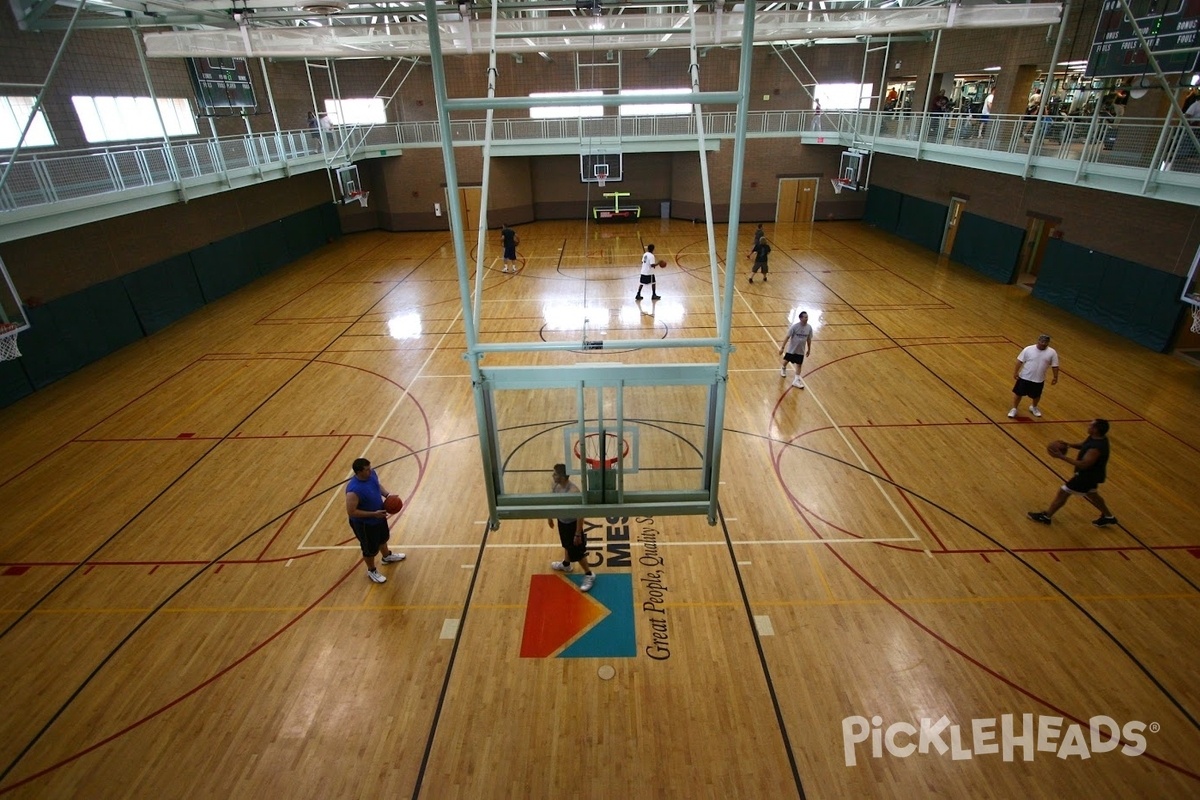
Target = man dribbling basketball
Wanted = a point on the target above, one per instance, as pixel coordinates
(368, 520)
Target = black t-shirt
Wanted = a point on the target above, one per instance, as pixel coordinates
(510, 237)
(761, 250)
(1096, 471)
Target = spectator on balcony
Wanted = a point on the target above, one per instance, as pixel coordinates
(939, 106)
(816, 120)
(1120, 102)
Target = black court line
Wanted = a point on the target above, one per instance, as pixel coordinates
(762, 657)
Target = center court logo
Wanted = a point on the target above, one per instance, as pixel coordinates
(563, 622)
(983, 737)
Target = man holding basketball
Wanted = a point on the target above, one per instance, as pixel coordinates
(647, 275)
(570, 532)
(368, 520)
(1089, 474)
(797, 343)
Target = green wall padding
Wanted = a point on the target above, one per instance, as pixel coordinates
(267, 245)
(304, 232)
(883, 208)
(223, 267)
(1130, 299)
(14, 383)
(988, 247)
(922, 222)
(73, 331)
(164, 292)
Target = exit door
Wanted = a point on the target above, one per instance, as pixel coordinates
(797, 200)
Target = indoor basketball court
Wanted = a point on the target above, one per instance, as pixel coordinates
(871, 565)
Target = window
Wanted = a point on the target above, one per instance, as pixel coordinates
(655, 109)
(120, 119)
(844, 95)
(14, 113)
(356, 111)
(561, 112)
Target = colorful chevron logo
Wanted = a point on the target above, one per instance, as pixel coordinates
(563, 622)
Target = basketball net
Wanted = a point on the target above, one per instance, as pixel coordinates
(1195, 319)
(8, 342)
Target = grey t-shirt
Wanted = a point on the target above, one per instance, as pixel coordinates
(797, 336)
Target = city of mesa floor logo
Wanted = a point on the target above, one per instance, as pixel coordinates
(563, 622)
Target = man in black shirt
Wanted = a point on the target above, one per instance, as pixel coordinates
(1089, 474)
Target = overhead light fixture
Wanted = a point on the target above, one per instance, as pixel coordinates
(324, 8)
(991, 69)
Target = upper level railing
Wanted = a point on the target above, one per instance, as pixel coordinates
(1151, 158)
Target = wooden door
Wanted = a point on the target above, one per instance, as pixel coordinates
(797, 200)
(957, 204)
(470, 200)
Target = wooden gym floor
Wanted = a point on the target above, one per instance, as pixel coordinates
(183, 612)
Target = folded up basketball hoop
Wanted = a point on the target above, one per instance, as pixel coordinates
(8, 341)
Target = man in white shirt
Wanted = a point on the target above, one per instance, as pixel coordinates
(647, 274)
(1030, 374)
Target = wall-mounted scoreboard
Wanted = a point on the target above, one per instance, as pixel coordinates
(222, 85)
(1166, 25)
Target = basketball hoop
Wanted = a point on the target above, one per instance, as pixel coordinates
(597, 453)
(839, 185)
(1195, 319)
(8, 342)
(361, 197)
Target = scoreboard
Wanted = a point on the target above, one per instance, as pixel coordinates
(224, 84)
(1166, 25)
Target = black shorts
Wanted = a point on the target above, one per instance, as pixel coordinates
(1024, 388)
(1082, 484)
(566, 535)
(647, 279)
(794, 358)
(760, 266)
(510, 253)
(371, 535)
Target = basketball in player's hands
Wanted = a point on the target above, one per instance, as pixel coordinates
(662, 263)
(392, 504)
(1057, 448)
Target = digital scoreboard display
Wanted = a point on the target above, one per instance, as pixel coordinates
(222, 84)
(1166, 25)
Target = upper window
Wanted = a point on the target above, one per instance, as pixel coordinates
(655, 109)
(561, 112)
(120, 119)
(356, 111)
(14, 113)
(844, 95)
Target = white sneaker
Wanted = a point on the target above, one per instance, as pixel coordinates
(392, 558)
(559, 566)
(375, 576)
(1012, 413)
(799, 384)
(783, 372)
(1037, 412)
(588, 581)
(504, 270)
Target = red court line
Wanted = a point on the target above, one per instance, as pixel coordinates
(219, 674)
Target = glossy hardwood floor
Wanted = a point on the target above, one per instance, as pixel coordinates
(183, 612)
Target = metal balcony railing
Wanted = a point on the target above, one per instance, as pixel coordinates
(1147, 153)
